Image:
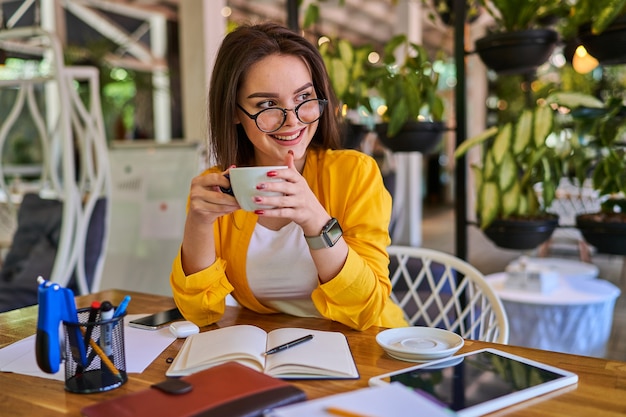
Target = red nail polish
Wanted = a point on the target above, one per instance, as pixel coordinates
(272, 173)
(257, 199)
(259, 212)
(260, 186)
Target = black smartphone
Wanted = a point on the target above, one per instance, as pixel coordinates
(157, 320)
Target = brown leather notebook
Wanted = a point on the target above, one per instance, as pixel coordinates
(229, 390)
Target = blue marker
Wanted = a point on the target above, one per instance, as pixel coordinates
(121, 309)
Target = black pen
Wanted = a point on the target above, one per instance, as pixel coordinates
(289, 344)
(93, 315)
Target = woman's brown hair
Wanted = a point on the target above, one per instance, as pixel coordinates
(240, 49)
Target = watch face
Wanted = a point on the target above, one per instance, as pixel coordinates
(335, 232)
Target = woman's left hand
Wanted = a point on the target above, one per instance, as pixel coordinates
(297, 203)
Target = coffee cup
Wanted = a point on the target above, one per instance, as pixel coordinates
(243, 181)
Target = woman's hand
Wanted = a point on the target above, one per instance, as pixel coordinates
(207, 201)
(298, 202)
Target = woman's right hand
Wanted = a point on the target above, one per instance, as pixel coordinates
(206, 204)
(207, 200)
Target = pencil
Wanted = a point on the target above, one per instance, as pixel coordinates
(105, 359)
(342, 413)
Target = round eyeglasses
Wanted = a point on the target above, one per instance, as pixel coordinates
(271, 119)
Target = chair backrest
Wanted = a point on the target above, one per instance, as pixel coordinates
(74, 166)
(436, 289)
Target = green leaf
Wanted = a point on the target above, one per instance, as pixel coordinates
(398, 118)
(346, 52)
(511, 200)
(340, 76)
(490, 168)
(532, 201)
(573, 100)
(311, 15)
(508, 171)
(471, 142)
(607, 15)
(502, 143)
(523, 131)
(489, 202)
(522, 205)
(543, 125)
(549, 193)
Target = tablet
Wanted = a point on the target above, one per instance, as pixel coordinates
(481, 381)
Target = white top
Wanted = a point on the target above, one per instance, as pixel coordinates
(568, 292)
(280, 270)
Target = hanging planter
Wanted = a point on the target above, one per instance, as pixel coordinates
(608, 47)
(605, 229)
(606, 232)
(353, 134)
(521, 234)
(416, 136)
(516, 52)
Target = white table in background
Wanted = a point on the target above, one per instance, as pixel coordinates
(575, 317)
(568, 268)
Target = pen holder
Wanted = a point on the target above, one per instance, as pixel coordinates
(95, 358)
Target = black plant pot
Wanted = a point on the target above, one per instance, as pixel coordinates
(608, 47)
(606, 236)
(521, 234)
(413, 137)
(353, 135)
(516, 52)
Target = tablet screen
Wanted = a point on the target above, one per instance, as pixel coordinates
(469, 380)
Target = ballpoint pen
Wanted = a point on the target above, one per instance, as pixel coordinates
(93, 315)
(289, 344)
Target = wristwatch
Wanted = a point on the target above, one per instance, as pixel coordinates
(328, 237)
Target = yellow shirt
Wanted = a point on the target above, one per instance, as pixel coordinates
(349, 185)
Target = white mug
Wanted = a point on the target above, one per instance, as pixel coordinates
(244, 180)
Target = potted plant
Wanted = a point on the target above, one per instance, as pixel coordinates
(522, 40)
(516, 158)
(443, 11)
(600, 154)
(412, 112)
(600, 26)
(520, 158)
(347, 66)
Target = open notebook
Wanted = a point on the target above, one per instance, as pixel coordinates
(326, 356)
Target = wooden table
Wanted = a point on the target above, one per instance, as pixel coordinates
(601, 390)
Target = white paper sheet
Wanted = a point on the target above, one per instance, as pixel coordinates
(391, 400)
(142, 347)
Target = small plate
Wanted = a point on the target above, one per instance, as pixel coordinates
(418, 343)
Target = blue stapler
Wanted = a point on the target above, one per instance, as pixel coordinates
(56, 304)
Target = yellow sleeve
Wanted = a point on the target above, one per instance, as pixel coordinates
(359, 296)
(200, 297)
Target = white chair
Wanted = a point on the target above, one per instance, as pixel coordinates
(74, 170)
(436, 289)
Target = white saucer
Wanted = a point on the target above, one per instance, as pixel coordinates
(418, 343)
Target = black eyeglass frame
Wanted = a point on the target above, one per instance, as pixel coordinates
(321, 101)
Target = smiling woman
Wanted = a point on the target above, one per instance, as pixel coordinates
(313, 244)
